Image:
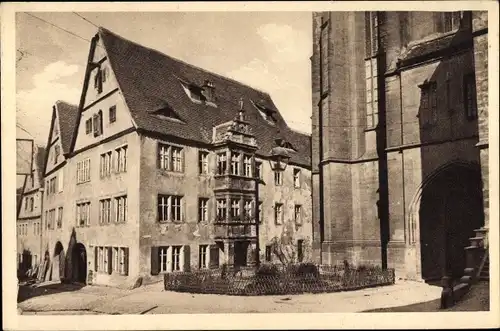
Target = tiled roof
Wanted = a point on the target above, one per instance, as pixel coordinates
(67, 114)
(151, 80)
(436, 45)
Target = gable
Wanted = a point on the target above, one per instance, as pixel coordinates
(103, 111)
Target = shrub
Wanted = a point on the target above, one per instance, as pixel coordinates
(267, 270)
(307, 270)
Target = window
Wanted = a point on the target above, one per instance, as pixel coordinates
(123, 269)
(51, 186)
(169, 208)
(32, 203)
(371, 28)
(104, 74)
(83, 214)
(116, 260)
(176, 258)
(103, 259)
(121, 209)
(105, 211)
(170, 158)
(57, 152)
(203, 257)
(296, 178)
(221, 209)
(203, 162)
(106, 164)
(59, 217)
(98, 80)
(88, 126)
(451, 21)
(112, 114)
(247, 208)
(235, 164)
(470, 96)
(278, 213)
(202, 210)
(297, 214)
(119, 261)
(428, 103)
(83, 171)
(247, 163)
(221, 163)
(235, 208)
(163, 251)
(300, 250)
(258, 169)
(97, 123)
(371, 93)
(52, 217)
(268, 253)
(167, 259)
(47, 219)
(278, 178)
(121, 159)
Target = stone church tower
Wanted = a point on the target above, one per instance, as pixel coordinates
(399, 120)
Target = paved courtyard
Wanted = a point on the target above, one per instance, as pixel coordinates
(152, 299)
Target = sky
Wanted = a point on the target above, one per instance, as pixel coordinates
(266, 50)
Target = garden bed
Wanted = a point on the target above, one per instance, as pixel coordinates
(279, 280)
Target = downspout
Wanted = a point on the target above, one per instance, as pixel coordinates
(42, 191)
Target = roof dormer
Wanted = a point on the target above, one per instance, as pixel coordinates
(265, 111)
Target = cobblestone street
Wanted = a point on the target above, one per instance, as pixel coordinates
(152, 299)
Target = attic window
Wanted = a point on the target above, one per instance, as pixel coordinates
(98, 80)
(200, 94)
(167, 114)
(266, 112)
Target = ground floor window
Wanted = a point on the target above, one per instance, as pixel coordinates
(112, 260)
(169, 259)
(204, 257)
(268, 253)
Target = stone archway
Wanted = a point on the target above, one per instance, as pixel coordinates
(79, 263)
(58, 262)
(447, 209)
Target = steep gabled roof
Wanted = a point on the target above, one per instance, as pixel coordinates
(150, 80)
(67, 115)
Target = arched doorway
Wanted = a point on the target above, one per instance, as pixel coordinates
(79, 261)
(58, 262)
(451, 209)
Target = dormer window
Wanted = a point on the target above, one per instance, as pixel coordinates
(167, 114)
(266, 112)
(200, 94)
(208, 91)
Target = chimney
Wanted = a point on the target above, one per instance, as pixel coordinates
(209, 91)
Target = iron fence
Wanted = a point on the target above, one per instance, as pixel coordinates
(278, 280)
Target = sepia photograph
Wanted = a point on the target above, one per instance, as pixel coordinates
(324, 159)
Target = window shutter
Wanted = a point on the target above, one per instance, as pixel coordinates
(96, 256)
(155, 263)
(214, 256)
(186, 256)
(110, 259)
(183, 161)
(125, 259)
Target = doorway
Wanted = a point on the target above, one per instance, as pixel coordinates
(450, 210)
(79, 257)
(240, 253)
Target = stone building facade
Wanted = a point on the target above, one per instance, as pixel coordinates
(160, 168)
(399, 140)
(29, 226)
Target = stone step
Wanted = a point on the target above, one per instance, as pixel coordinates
(481, 232)
(477, 241)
